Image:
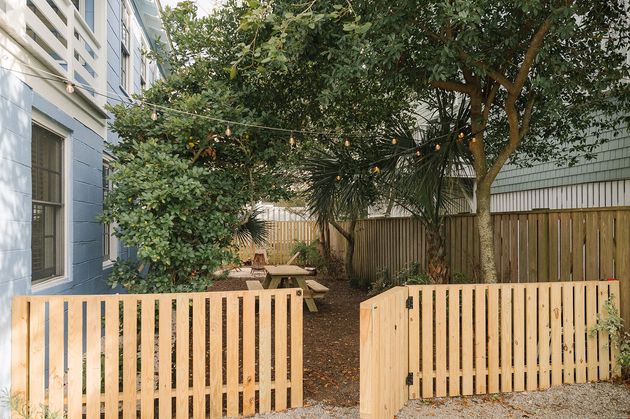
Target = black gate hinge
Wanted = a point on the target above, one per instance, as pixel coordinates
(409, 379)
(409, 303)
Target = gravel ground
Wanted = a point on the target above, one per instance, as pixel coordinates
(596, 400)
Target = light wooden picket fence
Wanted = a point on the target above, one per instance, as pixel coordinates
(478, 339)
(167, 355)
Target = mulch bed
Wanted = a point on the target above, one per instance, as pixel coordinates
(331, 342)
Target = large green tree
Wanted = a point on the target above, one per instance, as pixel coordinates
(546, 80)
(184, 184)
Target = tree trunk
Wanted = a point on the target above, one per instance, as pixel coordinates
(438, 269)
(349, 236)
(486, 234)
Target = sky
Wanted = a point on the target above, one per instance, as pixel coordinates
(204, 6)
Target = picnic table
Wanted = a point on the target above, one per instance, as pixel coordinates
(311, 288)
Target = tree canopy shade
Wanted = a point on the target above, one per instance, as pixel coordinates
(545, 79)
(185, 187)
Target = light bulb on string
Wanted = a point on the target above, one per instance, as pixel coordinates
(292, 140)
(69, 87)
(338, 178)
(474, 140)
(460, 137)
(228, 131)
(418, 153)
(154, 115)
(394, 141)
(437, 147)
(376, 170)
(346, 143)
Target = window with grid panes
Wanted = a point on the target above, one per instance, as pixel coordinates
(125, 46)
(47, 221)
(107, 228)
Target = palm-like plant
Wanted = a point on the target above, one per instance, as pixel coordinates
(340, 187)
(252, 229)
(427, 173)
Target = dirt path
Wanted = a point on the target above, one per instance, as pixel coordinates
(331, 343)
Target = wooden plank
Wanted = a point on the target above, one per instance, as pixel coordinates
(580, 333)
(232, 351)
(565, 247)
(603, 338)
(427, 340)
(56, 343)
(93, 358)
(216, 355)
(249, 354)
(568, 333)
(493, 339)
(440, 341)
(112, 361)
(264, 352)
(613, 292)
(280, 332)
(506, 338)
(531, 336)
(296, 349)
(20, 348)
(591, 322)
(519, 337)
(130, 357)
(454, 386)
(523, 264)
(532, 250)
(513, 243)
(182, 355)
(591, 239)
(622, 261)
(368, 394)
(578, 246)
(147, 356)
(75, 359)
(414, 342)
(543, 248)
(467, 340)
(165, 351)
(544, 337)
(36, 353)
(555, 307)
(554, 247)
(199, 355)
(606, 243)
(480, 340)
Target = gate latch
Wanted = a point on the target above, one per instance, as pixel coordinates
(409, 303)
(409, 379)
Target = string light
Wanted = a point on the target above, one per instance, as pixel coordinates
(228, 131)
(437, 147)
(418, 153)
(292, 140)
(346, 143)
(154, 114)
(474, 140)
(394, 141)
(376, 169)
(460, 137)
(338, 178)
(70, 87)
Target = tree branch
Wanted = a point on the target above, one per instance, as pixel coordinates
(453, 86)
(530, 55)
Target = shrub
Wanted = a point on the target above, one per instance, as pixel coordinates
(612, 324)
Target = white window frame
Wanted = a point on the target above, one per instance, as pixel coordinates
(113, 240)
(49, 124)
(125, 48)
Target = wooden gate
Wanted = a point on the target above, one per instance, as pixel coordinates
(479, 339)
(167, 355)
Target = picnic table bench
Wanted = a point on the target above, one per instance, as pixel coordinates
(291, 274)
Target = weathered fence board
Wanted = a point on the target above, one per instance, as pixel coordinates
(159, 355)
(481, 338)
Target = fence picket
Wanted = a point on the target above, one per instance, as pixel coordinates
(249, 354)
(182, 354)
(531, 330)
(112, 361)
(75, 360)
(543, 336)
(506, 338)
(232, 354)
(280, 376)
(147, 358)
(216, 361)
(296, 348)
(165, 351)
(55, 356)
(568, 333)
(604, 345)
(467, 341)
(264, 354)
(580, 333)
(555, 306)
(454, 386)
(493, 340)
(519, 338)
(440, 342)
(93, 358)
(480, 339)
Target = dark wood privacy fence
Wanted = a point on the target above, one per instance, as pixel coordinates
(565, 245)
(159, 355)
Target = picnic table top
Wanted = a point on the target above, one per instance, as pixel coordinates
(286, 270)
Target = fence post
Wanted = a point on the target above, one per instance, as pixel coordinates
(19, 348)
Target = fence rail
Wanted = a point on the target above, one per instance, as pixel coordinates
(479, 339)
(173, 355)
